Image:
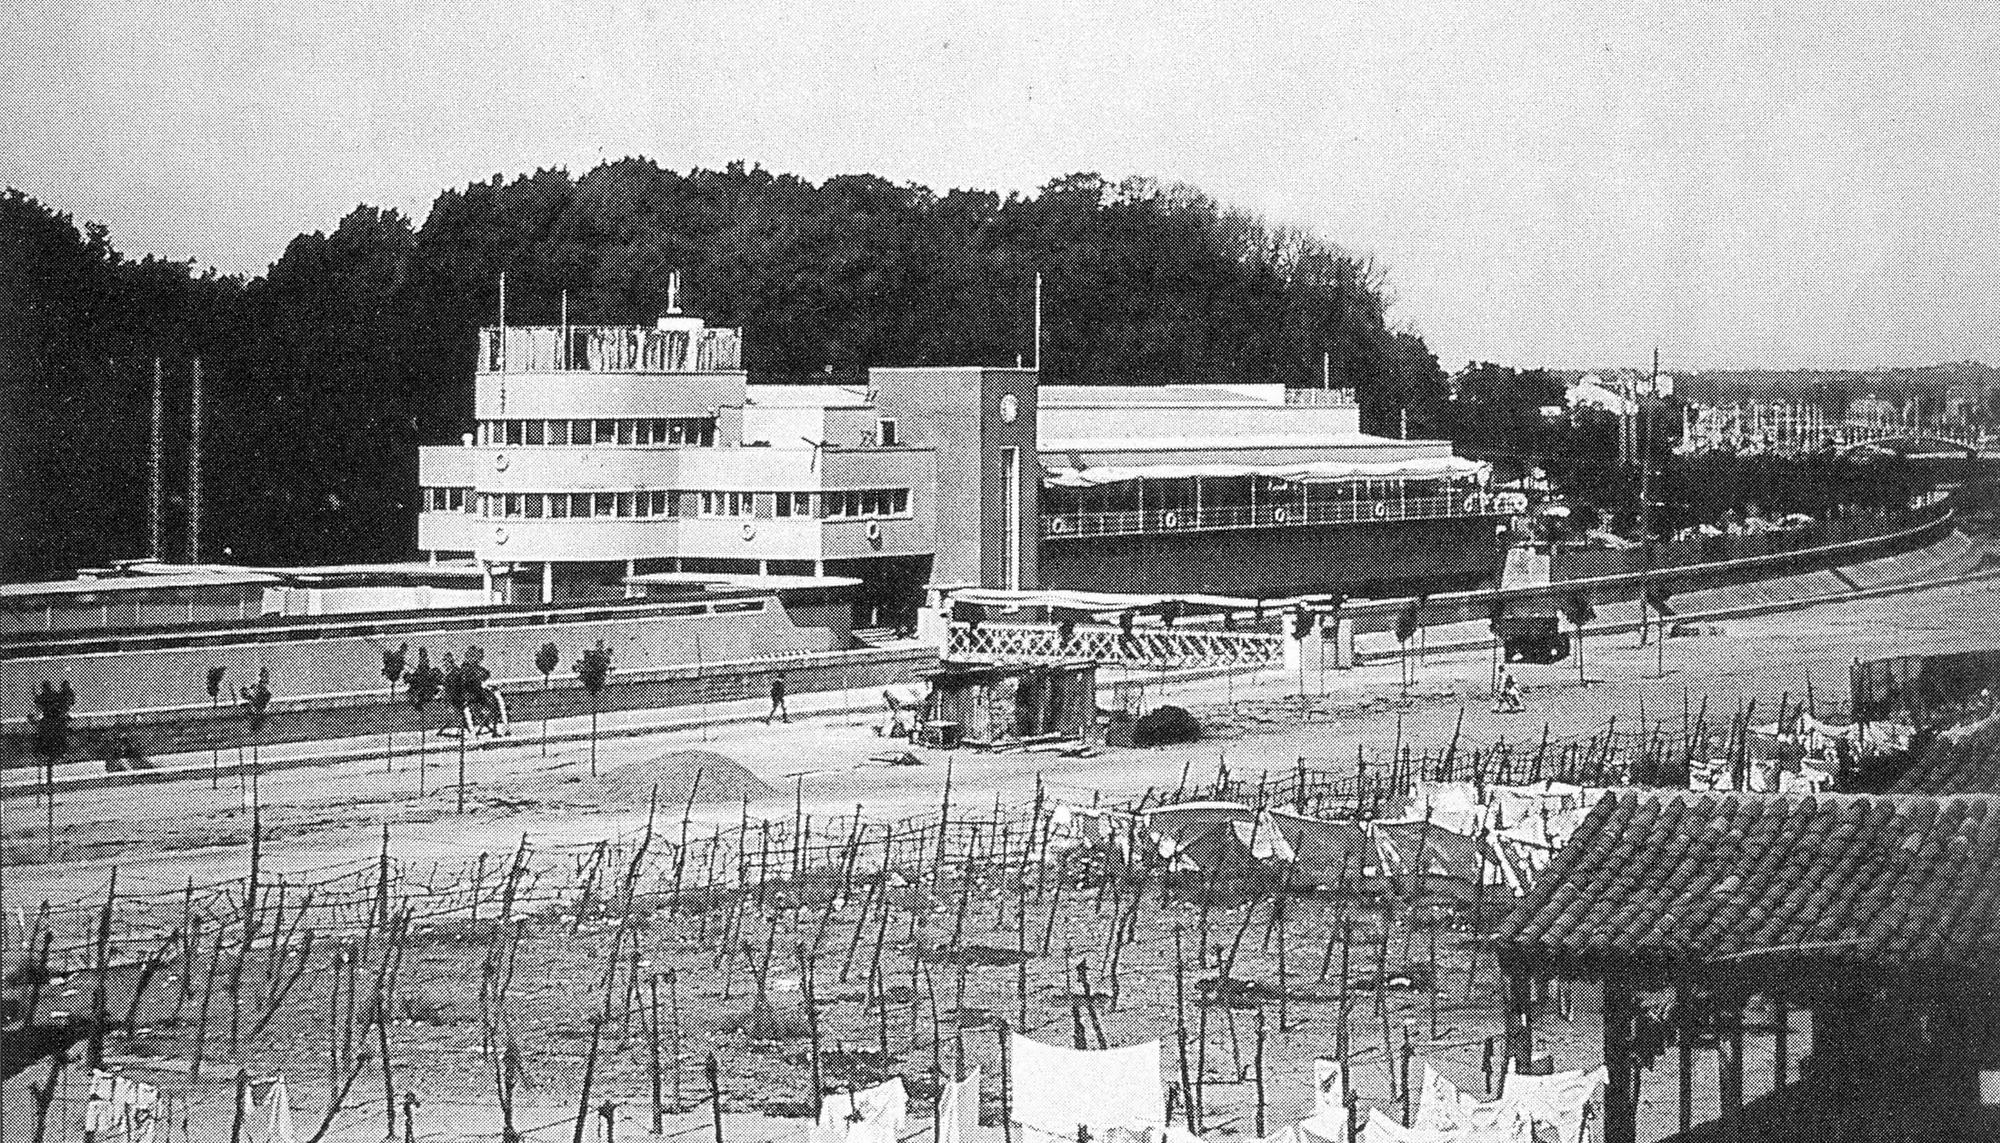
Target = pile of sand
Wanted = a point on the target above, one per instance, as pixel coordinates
(722, 780)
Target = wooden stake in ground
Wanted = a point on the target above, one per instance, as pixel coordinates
(714, 1070)
(101, 967)
(1260, 1071)
(653, 1046)
(1181, 1032)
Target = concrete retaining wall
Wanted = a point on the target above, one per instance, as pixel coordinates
(337, 664)
(163, 732)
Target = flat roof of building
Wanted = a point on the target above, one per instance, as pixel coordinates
(1181, 444)
(128, 583)
(442, 569)
(743, 580)
(1074, 396)
(807, 396)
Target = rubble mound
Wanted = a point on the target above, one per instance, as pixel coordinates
(723, 780)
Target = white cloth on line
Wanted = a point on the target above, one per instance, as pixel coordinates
(1557, 1100)
(1382, 1129)
(871, 1115)
(1443, 1107)
(1056, 1090)
(143, 1114)
(100, 1108)
(1440, 1105)
(267, 1112)
(119, 1109)
(1329, 1117)
(958, 1109)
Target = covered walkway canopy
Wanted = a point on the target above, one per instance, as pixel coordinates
(1438, 468)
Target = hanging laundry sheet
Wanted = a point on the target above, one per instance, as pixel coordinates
(1166, 1134)
(1324, 852)
(121, 1110)
(1446, 855)
(267, 1112)
(958, 1109)
(1512, 805)
(1087, 827)
(1710, 774)
(870, 1115)
(1172, 828)
(1454, 805)
(1306, 1131)
(1329, 1117)
(1443, 1108)
(1557, 1101)
(1808, 779)
(1263, 838)
(1522, 851)
(1056, 1090)
(1381, 1129)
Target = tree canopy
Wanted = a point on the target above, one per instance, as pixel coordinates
(324, 374)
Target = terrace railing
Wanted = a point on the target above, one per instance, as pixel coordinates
(1152, 648)
(1319, 397)
(608, 349)
(1204, 519)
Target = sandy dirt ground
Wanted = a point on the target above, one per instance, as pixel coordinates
(315, 820)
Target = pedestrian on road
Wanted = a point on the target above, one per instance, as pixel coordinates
(778, 710)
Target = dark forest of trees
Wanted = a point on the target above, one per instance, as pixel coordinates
(324, 374)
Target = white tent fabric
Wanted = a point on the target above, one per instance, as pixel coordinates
(1432, 468)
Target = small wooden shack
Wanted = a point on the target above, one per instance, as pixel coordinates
(994, 703)
(1855, 938)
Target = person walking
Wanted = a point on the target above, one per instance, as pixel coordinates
(778, 710)
(1510, 695)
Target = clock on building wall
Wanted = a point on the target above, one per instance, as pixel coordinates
(1010, 408)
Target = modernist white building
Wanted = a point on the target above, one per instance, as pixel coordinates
(605, 455)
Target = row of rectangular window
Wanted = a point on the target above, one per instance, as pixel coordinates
(695, 431)
(651, 504)
(858, 504)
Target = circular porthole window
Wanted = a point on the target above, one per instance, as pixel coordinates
(1010, 408)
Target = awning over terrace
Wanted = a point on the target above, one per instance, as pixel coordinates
(1439, 468)
(1098, 602)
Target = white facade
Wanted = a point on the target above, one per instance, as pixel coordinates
(624, 458)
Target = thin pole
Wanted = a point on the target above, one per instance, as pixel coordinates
(653, 1043)
(1038, 321)
(194, 468)
(714, 1070)
(155, 473)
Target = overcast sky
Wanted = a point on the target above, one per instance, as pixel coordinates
(1548, 183)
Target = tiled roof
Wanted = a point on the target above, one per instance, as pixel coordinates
(1662, 879)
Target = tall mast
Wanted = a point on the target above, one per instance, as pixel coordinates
(155, 473)
(194, 468)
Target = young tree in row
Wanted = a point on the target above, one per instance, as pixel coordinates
(546, 661)
(594, 671)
